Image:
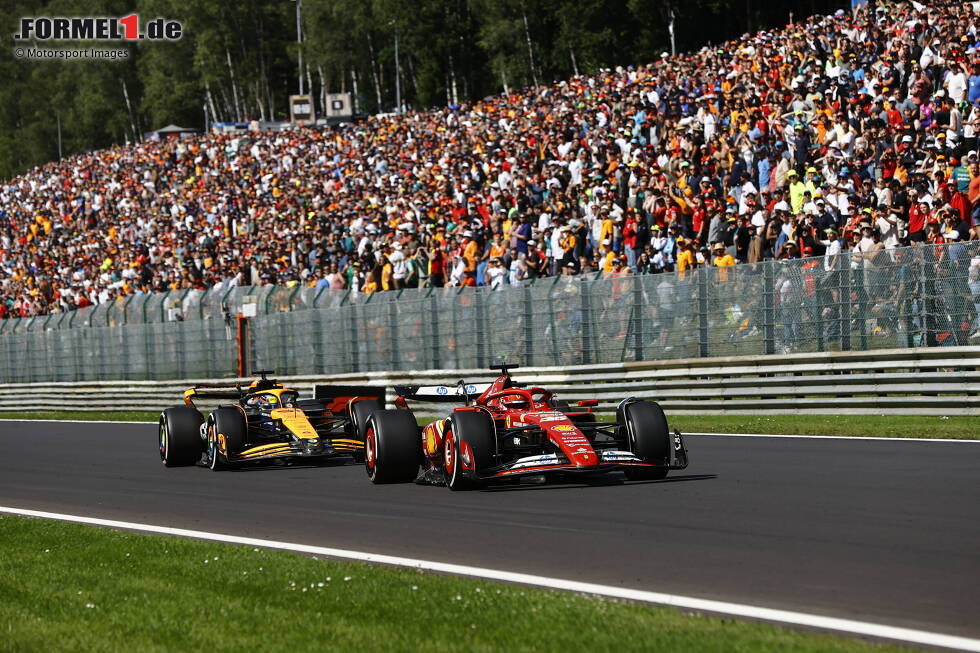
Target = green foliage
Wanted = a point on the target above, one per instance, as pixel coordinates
(241, 58)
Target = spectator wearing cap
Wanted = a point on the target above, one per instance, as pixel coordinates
(721, 259)
(789, 250)
(833, 244)
(796, 191)
(537, 263)
(608, 256)
(399, 266)
(685, 256)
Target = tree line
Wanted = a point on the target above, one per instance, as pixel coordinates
(240, 60)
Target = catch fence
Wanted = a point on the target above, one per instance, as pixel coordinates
(925, 296)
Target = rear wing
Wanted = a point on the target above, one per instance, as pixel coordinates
(211, 392)
(336, 397)
(459, 393)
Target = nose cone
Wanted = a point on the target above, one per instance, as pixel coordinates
(583, 456)
(569, 439)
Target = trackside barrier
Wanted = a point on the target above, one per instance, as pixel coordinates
(915, 297)
(925, 381)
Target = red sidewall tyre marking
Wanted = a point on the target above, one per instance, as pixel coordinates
(370, 449)
(449, 455)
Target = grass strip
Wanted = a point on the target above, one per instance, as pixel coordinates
(85, 415)
(959, 427)
(82, 588)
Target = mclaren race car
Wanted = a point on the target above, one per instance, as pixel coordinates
(267, 421)
(506, 431)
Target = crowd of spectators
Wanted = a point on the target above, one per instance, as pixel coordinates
(851, 131)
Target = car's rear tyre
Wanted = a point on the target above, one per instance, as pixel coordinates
(361, 412)
(470, 440)
(391, 446)
(226, 423)
(180, 436)
(649, 440)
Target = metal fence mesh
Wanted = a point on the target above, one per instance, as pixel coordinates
(925, 296)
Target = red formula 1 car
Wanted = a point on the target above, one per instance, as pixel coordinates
(506, 431)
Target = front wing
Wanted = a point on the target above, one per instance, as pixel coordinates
(609, 460)
(324, 447)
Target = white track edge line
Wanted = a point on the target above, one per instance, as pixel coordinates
(719, 435)
(684, 602)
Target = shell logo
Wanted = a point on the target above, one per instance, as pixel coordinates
(563, 428)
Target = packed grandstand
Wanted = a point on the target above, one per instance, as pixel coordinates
(852, 131)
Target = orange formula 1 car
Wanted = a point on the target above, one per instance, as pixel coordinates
(267, 420)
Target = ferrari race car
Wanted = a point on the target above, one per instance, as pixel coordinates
(507, 431)
(267, 421)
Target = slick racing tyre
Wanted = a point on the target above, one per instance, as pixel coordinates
(392, 446)
(226, 426)
(180, 436)
(469, 446)
(649, 439)
(361, 412)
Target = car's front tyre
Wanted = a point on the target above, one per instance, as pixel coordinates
(226, 432)
(649, 440)
(469, 446)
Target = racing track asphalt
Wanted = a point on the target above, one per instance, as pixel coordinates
(878, 531)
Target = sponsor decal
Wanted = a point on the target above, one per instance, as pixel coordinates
(677, 442)
(563, 428)
(581, 450)
(619, 456)
(430, 441)
(535, 461)
(551, 418)
(442, 390)
(470, 389)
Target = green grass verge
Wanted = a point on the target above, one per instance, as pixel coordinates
(111, 415)
(894, 426)
(81, 588)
